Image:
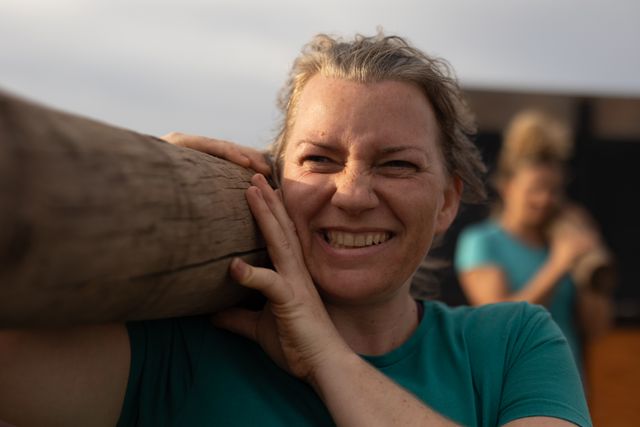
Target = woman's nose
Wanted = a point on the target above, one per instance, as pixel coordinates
(548, 199)
(354, 192)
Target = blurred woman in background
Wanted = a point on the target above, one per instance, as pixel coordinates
(538, 247)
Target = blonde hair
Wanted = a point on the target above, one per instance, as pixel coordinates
(533, 137)
(378, 58)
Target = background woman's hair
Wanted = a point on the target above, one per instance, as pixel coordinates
(378, 58)
(533, 137)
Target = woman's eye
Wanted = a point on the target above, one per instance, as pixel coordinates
(399, 164)
(316, 159)
(320, 164)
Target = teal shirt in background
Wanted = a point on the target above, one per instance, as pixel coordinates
(479, 366)
(488, 243)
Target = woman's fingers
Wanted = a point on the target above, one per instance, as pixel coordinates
(264, 280)
(243, 156)
(258, 160)
(293, 328)
(278, 230)
(274, 200)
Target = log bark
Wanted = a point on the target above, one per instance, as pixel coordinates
(103, 224)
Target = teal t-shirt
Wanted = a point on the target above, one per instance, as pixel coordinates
(479, 366)
(488, 243)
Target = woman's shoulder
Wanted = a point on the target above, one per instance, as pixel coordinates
(497, 323)
(495, 337)
(518, 352)
(488, 228)
(520, 311)
(480, 244)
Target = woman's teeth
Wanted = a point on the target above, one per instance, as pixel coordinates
(341, 239)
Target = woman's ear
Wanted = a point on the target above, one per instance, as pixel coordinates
(450, 205)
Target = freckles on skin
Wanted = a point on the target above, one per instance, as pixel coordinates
(351, 141)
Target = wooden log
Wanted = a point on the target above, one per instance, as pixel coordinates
(102, 224)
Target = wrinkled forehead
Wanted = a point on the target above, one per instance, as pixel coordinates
(388, 110)
(379, 101)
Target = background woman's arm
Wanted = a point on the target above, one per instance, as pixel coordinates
(488, 283)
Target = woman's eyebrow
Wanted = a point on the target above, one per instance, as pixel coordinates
(397, 149)
(332, 148)
(322, 145)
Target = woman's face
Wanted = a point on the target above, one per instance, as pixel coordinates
(533, 194)
(364, 182)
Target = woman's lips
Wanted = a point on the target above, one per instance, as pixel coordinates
(339, 239)
(355, 245)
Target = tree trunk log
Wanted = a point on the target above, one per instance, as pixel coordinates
(103, 224)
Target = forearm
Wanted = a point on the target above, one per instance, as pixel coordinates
(356, 394)
(540, 288)
(63, 376)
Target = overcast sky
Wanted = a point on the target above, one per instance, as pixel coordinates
(214, 67)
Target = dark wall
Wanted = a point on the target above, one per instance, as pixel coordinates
(607, 180)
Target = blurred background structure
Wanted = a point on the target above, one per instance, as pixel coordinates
(214, 68)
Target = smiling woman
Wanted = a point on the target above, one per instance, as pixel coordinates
(368, 159)
(372, 161)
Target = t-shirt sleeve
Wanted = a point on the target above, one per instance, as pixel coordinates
(164, 355)
(541, 378)
(475, 248)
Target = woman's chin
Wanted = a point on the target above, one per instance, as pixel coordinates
(355, 287)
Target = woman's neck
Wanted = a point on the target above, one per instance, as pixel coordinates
(532, 235)
(375, 329)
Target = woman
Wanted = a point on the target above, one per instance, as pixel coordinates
(536, 239)
(372, 160)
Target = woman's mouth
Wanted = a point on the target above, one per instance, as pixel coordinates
(346, 240)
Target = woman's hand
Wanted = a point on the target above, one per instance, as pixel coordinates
(243, 156)
(296, 331)
(569, 243)
(294, 327)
